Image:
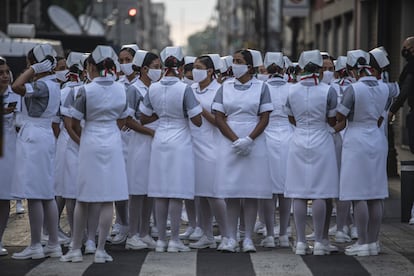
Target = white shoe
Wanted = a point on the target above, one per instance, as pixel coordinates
(332, 230)
(204, 242)
(135, 243)
(268, 242)
(121, 236)
(177, 246)
(218, 238)
(116, 228)
(102, 257)
(63, 238)
(222, 244)
(329, 246)
(187, 233)
(284, 241)
(74, 256)
(411, 221)
(30, 252)
(320, 249)
(3, 251)
(341, 237)
(161, 246)
(310, 237)
(231, 246)
(19, 208)
(357, 250)
(90, 247)
(302, 248)
(149, 241)
(248, 246)
(197, 234)
(52, 251)
(373, 249)
(259, 227)
(354, 233)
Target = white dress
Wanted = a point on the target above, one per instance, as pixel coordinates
(278, 134)
(71, 158)
(139, 145)
(242, 176)
(35, 147)
(102, 175)
(204, 143)
(312, 172)
(171, 171)
(9, 146)
(364, 153)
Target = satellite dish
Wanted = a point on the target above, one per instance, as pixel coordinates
(63, 20)
(91, 25)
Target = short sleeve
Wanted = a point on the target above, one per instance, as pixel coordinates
(217, 104)
(145, 106)
(348, 100)
(78, 109)
(332, 102)
(191, 105)
(65, 108)
(265, 100)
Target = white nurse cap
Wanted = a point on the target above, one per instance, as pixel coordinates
(139, 57)
(288, 62)
(340, 63)
(130, 46)
(41, 51)
(74, 58)
(189, 59)
(274, 57)
(257, 57)
(313, 56)
(227, 62)
(170, 51)
(217, 62)
(103, 52)
(353, 56)
(380, 57)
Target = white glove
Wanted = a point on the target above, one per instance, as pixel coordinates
(243, 146)
(41, 67)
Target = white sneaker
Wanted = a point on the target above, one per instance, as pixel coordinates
(197, 234)
(231, 246)
(116, 227)
(332, 230)
(204, 242)
(161, 246)
(341, 237)
(354, 233)
(357, 250)
(218, 238)
(30, 252)
(268, 242)
(149, 241)
(222, 244)
(411, 221)
(121, 236)
(329, 246)
(19, 207)
(63, 238)
(90, 247)
(187, 233)
(310, 237)
(320, 249)
(52, 251)
(102, 257)
(258, 226)
(373, 249)
(177, 246)
(302, 248)
(284, 241)
(135, 243)
(248, 246)
(73, 255)
(3, 251)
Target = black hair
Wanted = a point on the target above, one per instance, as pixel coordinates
(274, 69)
(247, 55)
(3, 61)
(373, 63)
(58, 58)
(311, 68)
(172, 62)
(106, 64)
(75, 69)
(148, 59)
(188, 67)
(129, 50)
(207, 61)
(31, 57)
(85, 62)
(331, 58)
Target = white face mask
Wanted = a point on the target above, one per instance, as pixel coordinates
(62, 75)
(127, 69)
(262, 77)
(239, 70)
(199, 75)
(154, 74)
(327, 77)
(188, 81)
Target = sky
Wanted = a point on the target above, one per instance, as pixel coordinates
(187, 17)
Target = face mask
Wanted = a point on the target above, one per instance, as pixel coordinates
(154, 74)
(327, 77)
(61, 75)
(239, 70)
(127, 68)
(188, 81)
(262, 77)
(199, 75)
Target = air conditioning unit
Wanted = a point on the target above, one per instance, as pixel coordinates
(21, 30)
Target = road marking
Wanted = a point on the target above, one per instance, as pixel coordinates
(183, 263)
(52, 267)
